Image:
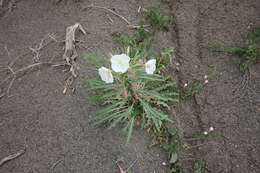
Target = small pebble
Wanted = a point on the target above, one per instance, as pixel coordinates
(211, 129)
(185, 85)
(163, 163)
(206, 81)
(205, 133)
(205, 77)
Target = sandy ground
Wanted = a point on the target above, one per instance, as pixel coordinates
(57, 130)
(230, 101)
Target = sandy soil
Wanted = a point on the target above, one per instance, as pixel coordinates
(230, 101)
(57, 130)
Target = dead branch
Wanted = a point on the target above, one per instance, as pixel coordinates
(14, 74)
(109, 10)
(70, 53)
(69, 56)
(36, 50)
(49, 35)
(55, 164)
(11, 157)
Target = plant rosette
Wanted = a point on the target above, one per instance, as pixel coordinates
(134, 95)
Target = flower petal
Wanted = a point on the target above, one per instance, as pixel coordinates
(150, 66)
(120, 63)
(106, 75)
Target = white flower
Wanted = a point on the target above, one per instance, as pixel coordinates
(150, 66)
(205, 133)
(120, 63)
(211, 129)
(106, 75)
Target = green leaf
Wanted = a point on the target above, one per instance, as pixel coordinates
(129, 128)
(154, 116)
(123, 117)
(153, 77)
(157, 20)
(174, 158)
(198, 166)
(113, 107)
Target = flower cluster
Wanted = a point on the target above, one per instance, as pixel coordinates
(121, 64)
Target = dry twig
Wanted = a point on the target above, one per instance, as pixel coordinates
(14, 74)
(11, 157)
(55, 164)
(36, 50)
(109, 10)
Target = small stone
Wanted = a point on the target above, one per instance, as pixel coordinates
(205, 77)
(185, 85)
(205, 133)
(163, 163)
(206, 81)
(211, 129)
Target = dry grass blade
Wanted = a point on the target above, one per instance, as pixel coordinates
(11, 157)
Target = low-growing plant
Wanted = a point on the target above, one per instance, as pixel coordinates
(135, 91)
(172, 147)
(195, 87)
(133, 95)
(198, 166)
(158, 20)
(132, 90)
(140, 43)
(249, 54)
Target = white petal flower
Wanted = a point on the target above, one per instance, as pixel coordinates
(120, 63)
(150, 66)
(106, 75)
(211, 129)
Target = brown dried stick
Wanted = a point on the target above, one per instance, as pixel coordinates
(109, 10)
(12, 156)
(14, 74)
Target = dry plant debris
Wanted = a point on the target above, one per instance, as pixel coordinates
(69, 56)
(109, 10)
(70, 53)
(13, 74)
(12, 156)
